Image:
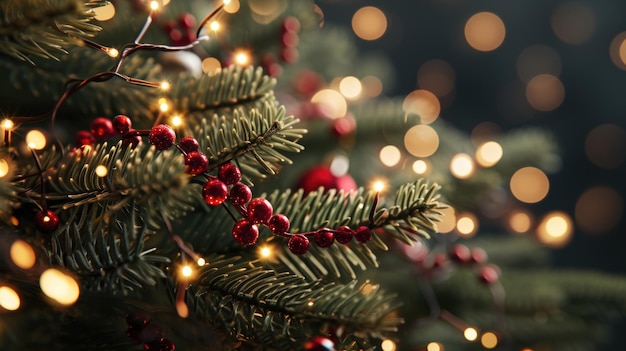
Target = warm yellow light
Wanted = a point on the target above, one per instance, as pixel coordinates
(529, 185)
(388, 345)
(369, 23)
(214, 26)
(242, 58)
(555, 230)
(201, 261)
(488, 154)
(462, 166)
(470, 334)
(421, 140)
(538, 59)
(447, 220)
(520, 221)
(154, 5)
(113, 52)
(104, 13)
(350, 87)
(265, 252)
(4, 167)
(22, 254)
(331, 103)
(101, 171)
(165, 86)
(9, 299)
(372, 86)
(484, 31)
(424, 104)
(466, 225)
(379, 185)
(573, 23)
(7, 124)
(545, 92)
(59, 286)
(434, 346)
(177, 121)
(186, 271)
(231, 6)
(35, 139)
(489, 340)
(164, 105)
(182, 309)
(210, 65)
(421, 167)
(390, 155)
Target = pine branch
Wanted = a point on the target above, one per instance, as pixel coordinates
(29, 28)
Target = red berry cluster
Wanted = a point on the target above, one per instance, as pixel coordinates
(181, 32)
(289, 40)
(103, 128)
(151, 336)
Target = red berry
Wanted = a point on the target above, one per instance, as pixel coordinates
(163, 345)
(291, 24)
(278, 224)
(47, 221)
(196, 163)
(489, 274)
(259, 210)
(84, 137)
(344, 234)
(319, 343)
(188, 144)
(102, 128)
(363, 234)
(214, 192)
(132, 140)
(298, 244)
(478, 255)
(240, 194)
(186, 21)
(122, 124)
(290, 39)
(169, 26)
(162, 136)
(343, 126)
(441, 261)
(151, 334)
(229, 173)
(460, 253)
(136, 321)
(289, 55)
(324, 238)
(245, 232)
(176, 36)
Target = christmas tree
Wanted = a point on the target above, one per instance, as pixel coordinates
(215, 176)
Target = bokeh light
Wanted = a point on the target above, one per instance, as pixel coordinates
(59, 286)
(9, 299)
(529, 185)
(350, 87)
(484, 131)
(605, 146)
(466, 224)
(369, 23)
(462, 166)
(266, 11)
(331, 103)
(434, 346)
(545, 92)
(484, 31)
(489, 340)
(424, 104)
(520, 221)
(436, 76)
(421, 140)
(573, 23)
(598, 210)
(22, 254)
(241, 58)
(104, 13)
(388, 345)
(538, 59)
(555, 229)
(211, 65)
(447, 221)
(470, 334)
(617, 50)
(488, 153)
(390, 155)
(101, 171)
(372, 86)
(421, 167)
(231, 6)
(35, 139)
(4, 167)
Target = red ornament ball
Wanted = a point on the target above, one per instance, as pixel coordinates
(319, 343)
(245, 232)
(196, 163)
(214, 192)
(229, 173)
(122, 124)
(363, 234)
(132, 140)
(489, 274)
(298, 244)
(259, 210)
(189, 144)
(240, 194)
(324, 238)
(102, 128)
(344, 234)
(162, 136)
(84, 137)
(47, 221)
(278, 224)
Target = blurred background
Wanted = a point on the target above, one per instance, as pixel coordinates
(504, 65)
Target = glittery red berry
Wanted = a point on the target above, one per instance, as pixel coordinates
(102, 128)
(489, 274)
(84, 137)
(344, 234)
(229, 173)
(460, 253)
(162, 136)
(259, 210)
(188, 144)
(214, 192)
(324, 238)
(278, 224)
(298, 244)
(363, 234)
(47, 221)
(245, 232)
(240, 194)
(122, 124)
(196, 163)
(319, 343)
(132, 140)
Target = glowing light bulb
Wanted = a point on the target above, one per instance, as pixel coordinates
(165, 86)
(164, 106)
(177, 121)
(388, 345)
(9, 299)
(462, 166)
(379, 185)
(555, 230)
(420, 167)
(489, 340)
(59, 286)
(201, 261)
(4, 168)
(470, 334)
(350, 87)
(186, 271)
(215, 26)
(520, 221)
(154, 5)
(101, 171)
(466, 225)
(488, 154)
(22, 254)
(434, 346)
(265, 252)
(7, 124)
(35, 139)
(112, 52)
(390, 155)
(242, 58)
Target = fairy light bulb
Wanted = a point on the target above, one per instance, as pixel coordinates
(9, 299)
(101, 171)
(379, 185)
(470, 334)
(434, 346)
(35, 139)
(177, 121)
(214, 26)
(164, 106)
(388, 345)
(488, 154)
(186, 271)
(265, 252)
(489, 340)
(22, 254)
(241, 58)
(165, 86)
(462, 166)
(59, 286)
(7, 124)
(466, 225)
(4, 167)
(154, 5)
(112, 52)
(201, 261)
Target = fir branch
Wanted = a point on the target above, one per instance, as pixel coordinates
(272, 308)
(29, 28)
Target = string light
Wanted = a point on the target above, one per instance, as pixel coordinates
(112, 52)
(555, 230)
(201, 261)
(390, 155)
(241, 58)
(186, 271)
(350, 87)
(7, 124)
(22, 254)
(215, 26)
(379, 185)
(101, 171)
(265, 252)
(59, 286)
(9, 299)
(35, 139)
(154, 5)
(164, 106)
(466, 225)
(421, 167)
(165, 86)
(488, 154)
(489, 340)
(177, 121)
(470, 334)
